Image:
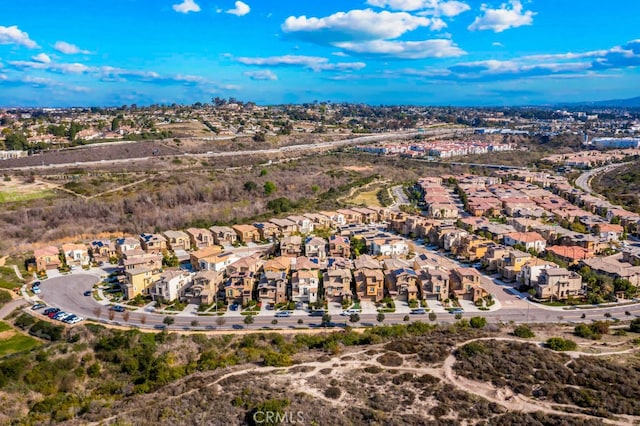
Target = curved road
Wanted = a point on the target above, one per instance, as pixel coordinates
(66, 292)
(584, 180)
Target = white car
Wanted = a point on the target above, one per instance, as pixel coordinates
(350, 312)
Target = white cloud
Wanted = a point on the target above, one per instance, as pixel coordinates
(437, 48)
(430, 7)
(13, 35)
(186, 6)
(41, 57)
(355, 25)
(75, 68)
(315, 63)
(508, 16)
(240, 9)
(307, 61)
(261, 75)
(497, 44)
(68, 48)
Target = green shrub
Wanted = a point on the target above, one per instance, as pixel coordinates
(560, 344)
(635, 326)
(333, 392)
(478, 322)
(524, 332)
(25, 321)
(45, 330)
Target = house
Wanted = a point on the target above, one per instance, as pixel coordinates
(369, 284)
(304, 286)
(303, 263)
(291, 246)
(268, 231)
(217, 262)
(465, 284)
(139, 280)
(204, 253)
(472, 247)
(135, 258)
(170, 285)
(339, 263)
(368, 215)
(494, 255)
(278, 264)
(511, 265)
(305, 225)
(337, 219)
(443, 211)
(178, 240)
(76, 254)
(102, 250)
(350, 216)
(531, 270)
(247, 233)
(47, 258)
(558, 283)
(248, 264)
(285, 227)
(452, 238)
(319, 220)
(403, 283)
(153, 243)
(609, 231)
(339, 246)
(127, 244)
(203, 288)
(337, 285)
(434, 283)
(570, 254)
(316, 247)
(366, 262)
(200, 238)
(238, 287)
(272, 287)
(387, 246)
(528, 240)
(223, 235)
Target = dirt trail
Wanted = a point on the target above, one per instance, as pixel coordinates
(306, 371)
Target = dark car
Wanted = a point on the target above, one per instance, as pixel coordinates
(38, 306)
(87, 293)
(317, 313)
(50, 310)
(117, 308)
(233, 307)
(419, 311)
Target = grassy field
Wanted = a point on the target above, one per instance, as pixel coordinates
(17, 343)
(4, 327)
(17, 196)
(367, 198)
(8, 278)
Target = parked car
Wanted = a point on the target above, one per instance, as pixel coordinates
(36, 290)
(318, 313)
(456, 311)
(350, 312)
(419, 311)
(50, 310)
(117, 308)
(37, 306)
(87, 293)
(60, 316)
(283, 314)
(233, 306)
(74, 320)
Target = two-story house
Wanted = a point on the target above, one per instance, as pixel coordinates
(203, 288)
(337, 285)
(402, 283)
(316, 247)
(47, 258)
(177, 240)
(169, 286)
(558, 284)
(339, 246)
(247, 233)
(304, 286)
(153, 243)
(465, 284)
(286, 227)
(272, 287)
(138, 281)
(528, 240)
(291, 246)
(223, 235)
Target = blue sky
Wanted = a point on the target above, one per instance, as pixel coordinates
(425, 52)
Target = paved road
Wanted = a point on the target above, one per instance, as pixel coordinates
(399, 196)
(66, 292)
(281, 150)
(584, 180)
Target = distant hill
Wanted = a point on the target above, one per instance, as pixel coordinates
(620, 103)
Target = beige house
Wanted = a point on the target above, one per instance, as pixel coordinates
(76, 254)
(203, 288)
(558, 283)
(223, 235)
(272, 287)
(247, 233)
(369, 284)
(47, 258)
(153, 243)
(337, 285)
(178, 240)
(138, 281)
(465, 284)
(339, 246)
(291, 246)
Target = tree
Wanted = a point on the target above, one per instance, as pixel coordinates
(143, 319)
(560, 344)
(478, 322)
(125, 316)
(326, 319)
(169, 320)
(195, 323)
(269, 187)
(248, 319)
(260, 137)
(112, 315)
(354, 317)
(380, 317)
(432, 316)
(635, 326)
(221, 321)
(406, 318)
(97, 311)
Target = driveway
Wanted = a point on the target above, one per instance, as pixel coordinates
(368, 307)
